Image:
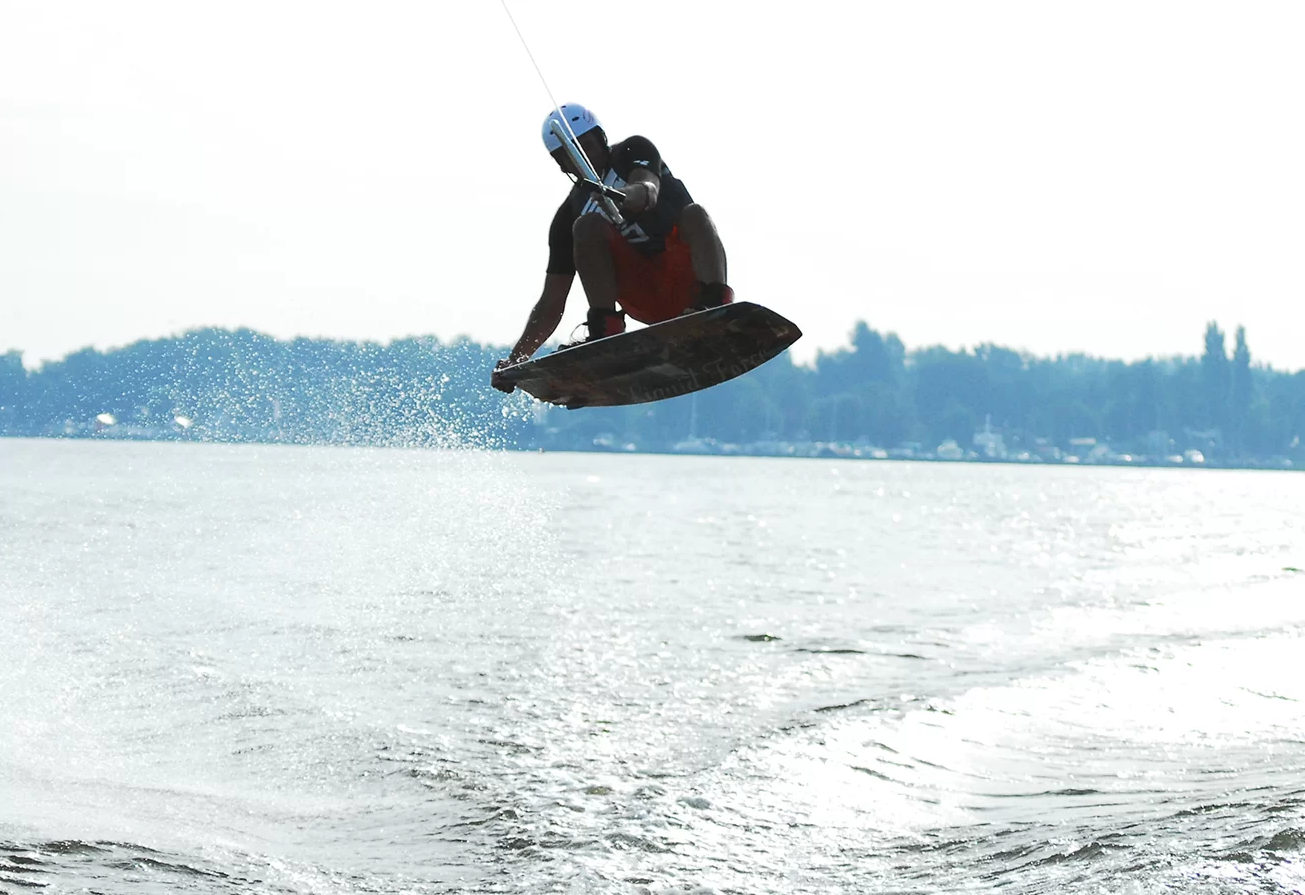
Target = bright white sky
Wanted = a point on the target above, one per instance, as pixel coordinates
(1101, 176)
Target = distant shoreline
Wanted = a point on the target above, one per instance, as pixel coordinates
(874, 400)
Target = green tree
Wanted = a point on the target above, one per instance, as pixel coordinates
(1242, 387)
(13, 391)
(1215, 377)
(888, 416)
(958, 422)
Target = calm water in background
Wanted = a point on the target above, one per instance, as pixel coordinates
(275, 669)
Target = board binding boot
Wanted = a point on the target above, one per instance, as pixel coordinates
(600, 323)
(705, 296)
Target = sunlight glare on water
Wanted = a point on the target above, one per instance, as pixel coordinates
(344, 670)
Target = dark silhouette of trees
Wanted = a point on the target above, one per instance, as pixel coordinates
(1241, 392)
(244, 386)
(1214, 369)
(13, 391)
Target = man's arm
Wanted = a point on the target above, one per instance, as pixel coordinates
(637, 161)
(542, 323)
(647, 186)
(544, 317)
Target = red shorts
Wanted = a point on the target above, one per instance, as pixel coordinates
(652, 288)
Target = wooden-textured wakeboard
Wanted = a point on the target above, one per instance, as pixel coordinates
(664, 360)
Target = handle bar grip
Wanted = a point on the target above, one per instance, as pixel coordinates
(610, 192)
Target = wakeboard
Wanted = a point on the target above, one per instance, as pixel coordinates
(678, 356)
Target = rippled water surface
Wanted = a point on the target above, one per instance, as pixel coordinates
(276, 669)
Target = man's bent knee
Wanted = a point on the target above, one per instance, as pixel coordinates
(694, 217)
(590, 229)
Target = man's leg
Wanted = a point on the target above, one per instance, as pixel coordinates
(699, 234)
(593, 260)
(597, 269)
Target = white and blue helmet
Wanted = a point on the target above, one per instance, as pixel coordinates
(580, 119)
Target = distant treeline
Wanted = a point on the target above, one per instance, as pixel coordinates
(242, 385)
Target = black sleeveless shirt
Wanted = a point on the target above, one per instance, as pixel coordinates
(645, 232)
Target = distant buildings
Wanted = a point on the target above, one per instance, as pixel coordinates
(989, 444)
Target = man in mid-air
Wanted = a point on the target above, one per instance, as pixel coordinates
(665, 260)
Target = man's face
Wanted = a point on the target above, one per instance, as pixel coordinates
(594, 144)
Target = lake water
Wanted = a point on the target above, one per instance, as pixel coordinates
(279, 669)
